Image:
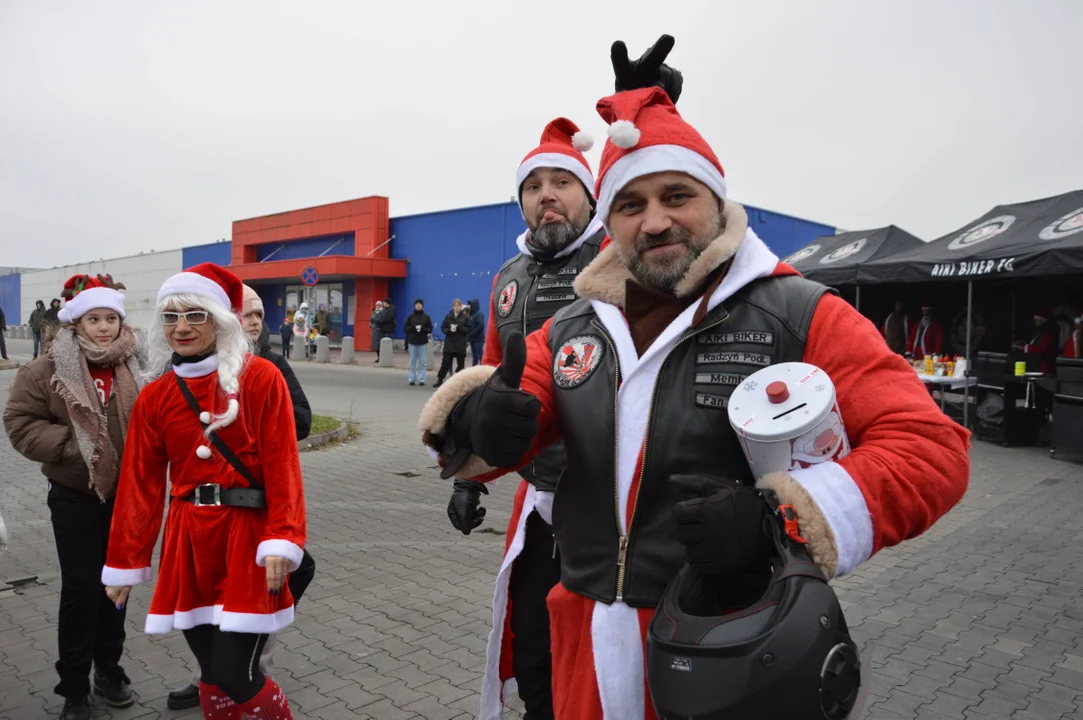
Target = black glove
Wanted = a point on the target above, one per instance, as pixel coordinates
(649, 70)
(498, 421)
(722, 524)
(464, 509)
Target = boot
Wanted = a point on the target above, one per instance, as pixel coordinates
(114, 688)
(186, 697)
(76, 709)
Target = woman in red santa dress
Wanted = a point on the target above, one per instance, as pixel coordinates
(229, 542)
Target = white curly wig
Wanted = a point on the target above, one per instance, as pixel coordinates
(231, 345)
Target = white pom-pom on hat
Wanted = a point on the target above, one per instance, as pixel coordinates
(203, 452)
(624, 134)
(205, 417)
(582, 141)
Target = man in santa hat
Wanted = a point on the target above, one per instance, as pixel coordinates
(555, 188)
(927, 335)
(667, 313)
(896, 330)
(1045, 343)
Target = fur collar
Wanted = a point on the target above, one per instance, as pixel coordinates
(605, 277)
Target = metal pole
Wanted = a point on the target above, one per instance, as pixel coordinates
(857, 305)
(969, 365)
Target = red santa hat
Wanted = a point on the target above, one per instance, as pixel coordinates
(1043, 315)
(209, 280)
(83, 293)
(647, 135)
(562, 146)
(927, 305)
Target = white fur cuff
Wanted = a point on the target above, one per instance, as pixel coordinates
(281, 548)
(436, 411)
(831, 513)
(116, 577)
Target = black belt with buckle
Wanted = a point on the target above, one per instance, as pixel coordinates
(211, 494)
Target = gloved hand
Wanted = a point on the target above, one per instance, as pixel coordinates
(498, 421)
(464, 509)
(721, 523)
(649, 70)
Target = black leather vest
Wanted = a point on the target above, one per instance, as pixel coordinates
(688, 431)
(528, 292)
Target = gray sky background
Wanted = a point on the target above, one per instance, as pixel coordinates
(131, 126)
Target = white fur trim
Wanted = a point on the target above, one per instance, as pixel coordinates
(203, 452)
(492, 694)
(436, 411)
(593, 227)
(544, 506)
(554, 160)
(843, 506)
(261, 623)
(197, 369)
(582, 141)
(117, 577)
(91, 299)
(618, 660)
(281, 548)
(624, 134)
(753, 260)
(654, 159)
(190, 283)
(205, 417)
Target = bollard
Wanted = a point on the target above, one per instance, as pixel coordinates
(430, 357)
(299, 345)
(347, 356)
(323, 349)
(387, 354)
(25, 333)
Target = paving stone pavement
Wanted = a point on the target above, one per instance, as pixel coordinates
(979, 618)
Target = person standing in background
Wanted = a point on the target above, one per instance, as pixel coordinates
(51, 324)
(385, 323)
(3, 329)
(927, 336)
(69, 409)
(374, 326)
(37, 319)
(896, 329)
(418, 328)
(476, 338)
(302, 324)
(456, 327)
(286, 332)
(1045, 343)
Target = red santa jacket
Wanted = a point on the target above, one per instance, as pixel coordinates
(932, 340)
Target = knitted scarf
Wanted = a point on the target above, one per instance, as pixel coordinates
(72, 357)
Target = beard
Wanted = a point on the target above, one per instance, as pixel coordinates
(551, 238)
(662, 275)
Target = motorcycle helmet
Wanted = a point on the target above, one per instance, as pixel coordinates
(770, 642)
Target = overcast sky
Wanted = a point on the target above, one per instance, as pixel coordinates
(131, 126)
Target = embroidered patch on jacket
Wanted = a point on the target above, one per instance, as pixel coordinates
(757, 337)
(576, 360)
(566, 297)
(507, 298)
(734, 358)
(719, 378)
(711, 401)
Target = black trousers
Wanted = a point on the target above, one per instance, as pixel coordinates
(445, 364)
(3, 346)
(229, 660)
(287, 345)
(533, 574)
(90, 628)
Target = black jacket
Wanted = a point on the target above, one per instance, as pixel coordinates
(455, 342)
(477, 318)
(414, 336)
(302, 411)
(385, 322)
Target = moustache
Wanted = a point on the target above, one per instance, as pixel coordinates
(670, 236)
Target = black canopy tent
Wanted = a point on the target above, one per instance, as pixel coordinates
(835, 259)
(1041, 238)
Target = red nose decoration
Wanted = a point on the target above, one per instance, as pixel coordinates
(777, 392)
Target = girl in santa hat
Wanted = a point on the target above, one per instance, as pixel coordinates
(214, 421)
(69, 409)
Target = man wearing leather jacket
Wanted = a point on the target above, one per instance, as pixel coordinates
(635, 377)
(555, 190)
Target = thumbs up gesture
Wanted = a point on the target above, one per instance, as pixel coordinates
(498, 421)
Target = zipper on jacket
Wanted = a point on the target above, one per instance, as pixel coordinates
(622, 543)
(622, 551)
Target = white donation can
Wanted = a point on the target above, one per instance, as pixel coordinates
(786, 417)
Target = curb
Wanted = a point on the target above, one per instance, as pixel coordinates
(9, 364)
(339, 434)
